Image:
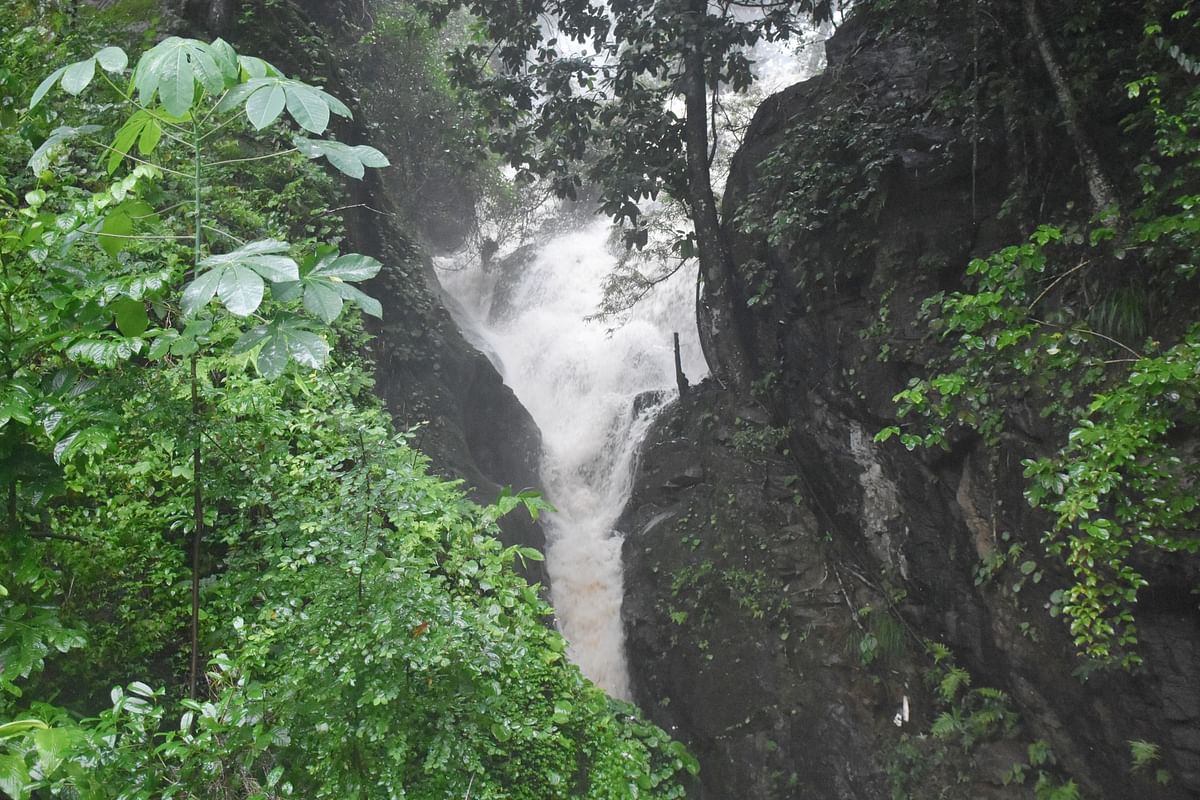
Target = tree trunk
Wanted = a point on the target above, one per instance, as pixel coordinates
(1104, 197)
(722, 328)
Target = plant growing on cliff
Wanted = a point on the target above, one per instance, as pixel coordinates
(1058, 314)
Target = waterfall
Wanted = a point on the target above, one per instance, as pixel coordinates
(580, 381)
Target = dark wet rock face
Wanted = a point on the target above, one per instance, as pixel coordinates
(783, 570)
(738, 632)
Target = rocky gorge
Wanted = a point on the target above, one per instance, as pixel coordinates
(815, 613)
(786, 574)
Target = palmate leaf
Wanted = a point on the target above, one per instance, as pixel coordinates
(236, 278)
(351, 160)
(76, 77)
(280, 340)
(265, 98)
(325, 288)
(144, 129)
(171, 69)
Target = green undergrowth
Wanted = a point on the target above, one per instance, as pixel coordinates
(202, 480)
(944, 760)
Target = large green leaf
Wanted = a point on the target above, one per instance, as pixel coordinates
(266, 95)
(348, 159)
(273, 357)
(251, 339)
(307, 107)
(325, 288)
(198, 293)
(263, 256)
(323, 302)
(78, 76)
(254, 67)
(150, 137)
(368, 304)
(226, 59)
(240, 290)
(117, 229)
(52, 747)
(307, 348)
(238, 94)
(335, 105)
(237, 277)
(130, 316)
(171, 70)
(14, 777)
(177, 83)
(280, 340)
(265, 105)
(350, 267)
(112, 59)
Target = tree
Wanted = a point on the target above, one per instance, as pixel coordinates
(370, 635)
(622, 96)
(180, 97)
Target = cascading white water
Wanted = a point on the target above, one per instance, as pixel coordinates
(579, 382)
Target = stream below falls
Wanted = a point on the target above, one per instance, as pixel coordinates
(579, 380)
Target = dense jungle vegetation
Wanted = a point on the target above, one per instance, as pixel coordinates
(224, 573)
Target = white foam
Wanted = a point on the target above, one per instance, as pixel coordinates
(579, 383)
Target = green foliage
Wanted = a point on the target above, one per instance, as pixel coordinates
(1142, 753)
(1062, 322)
(824, 172)
(605, 112)
(928, 766)
(370, 636)
(881, 638)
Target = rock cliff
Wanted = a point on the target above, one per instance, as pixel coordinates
(805, 606)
